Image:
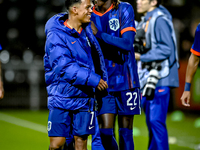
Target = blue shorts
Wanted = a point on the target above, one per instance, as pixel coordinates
(65, 123)
(122, 103)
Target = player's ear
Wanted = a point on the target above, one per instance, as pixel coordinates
(74, 9)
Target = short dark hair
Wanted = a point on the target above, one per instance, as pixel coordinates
(158, 2)
(69, 3)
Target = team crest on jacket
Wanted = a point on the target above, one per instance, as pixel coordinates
(114, 24)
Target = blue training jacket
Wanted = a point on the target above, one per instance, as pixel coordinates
(69, 67)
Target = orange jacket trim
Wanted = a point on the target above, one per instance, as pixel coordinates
(195, 52)
(128, 29)
(65, 23)
(100, 14)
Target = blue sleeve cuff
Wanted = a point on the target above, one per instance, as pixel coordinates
(143, 58)
(93, 79)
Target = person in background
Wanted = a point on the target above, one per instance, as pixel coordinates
(1, 80)
(191, 68)
(158, 65)
(70, 75)
(114, 27)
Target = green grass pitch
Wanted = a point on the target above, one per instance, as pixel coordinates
(26, 130)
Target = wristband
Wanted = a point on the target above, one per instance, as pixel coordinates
(187, 86)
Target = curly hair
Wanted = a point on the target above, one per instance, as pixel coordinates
(115, 4)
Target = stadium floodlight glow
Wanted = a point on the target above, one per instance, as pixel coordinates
(13, 14)
(5, 56)
(9, 75)
(38, 60)
(40, 13)
(12, 33)
(28, 56)
(33, 76)
(15, 60)
(40, 31)
(58, 2)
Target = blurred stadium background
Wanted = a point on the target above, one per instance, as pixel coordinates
(23, 111)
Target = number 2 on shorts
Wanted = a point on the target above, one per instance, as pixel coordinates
(129, 101)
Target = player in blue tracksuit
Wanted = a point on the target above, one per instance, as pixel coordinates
(160, 41)
(70, 75)
(192, 67)
(113, 25)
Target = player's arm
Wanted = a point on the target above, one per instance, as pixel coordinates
(126, 40)
(1, 84)
(66, 67)
(190, 72)
(192, 67)
(1, 81)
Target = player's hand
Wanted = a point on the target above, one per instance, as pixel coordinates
(185, 98)
(137, 56)
(94, 28)
(102, 85)
(1, 90)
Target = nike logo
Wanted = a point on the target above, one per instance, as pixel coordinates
(73, 42)
(91, 127)
(161, 90)
(131, 108)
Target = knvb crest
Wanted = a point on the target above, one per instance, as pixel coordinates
(114, 24)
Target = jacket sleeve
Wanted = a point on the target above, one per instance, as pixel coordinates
(126, 24)
(65, 66)
(125, 42)
(165, 44)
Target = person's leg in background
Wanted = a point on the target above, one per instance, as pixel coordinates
(156, 114)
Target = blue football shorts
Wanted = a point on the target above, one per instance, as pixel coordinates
(65, 123)
(122, 103)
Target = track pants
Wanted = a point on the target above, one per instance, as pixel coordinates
(156, 114)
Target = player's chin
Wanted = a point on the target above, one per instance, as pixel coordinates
(87, 20)
(139, 10)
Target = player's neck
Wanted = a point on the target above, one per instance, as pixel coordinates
(73, 23)
(104, 7)
(149, 10)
